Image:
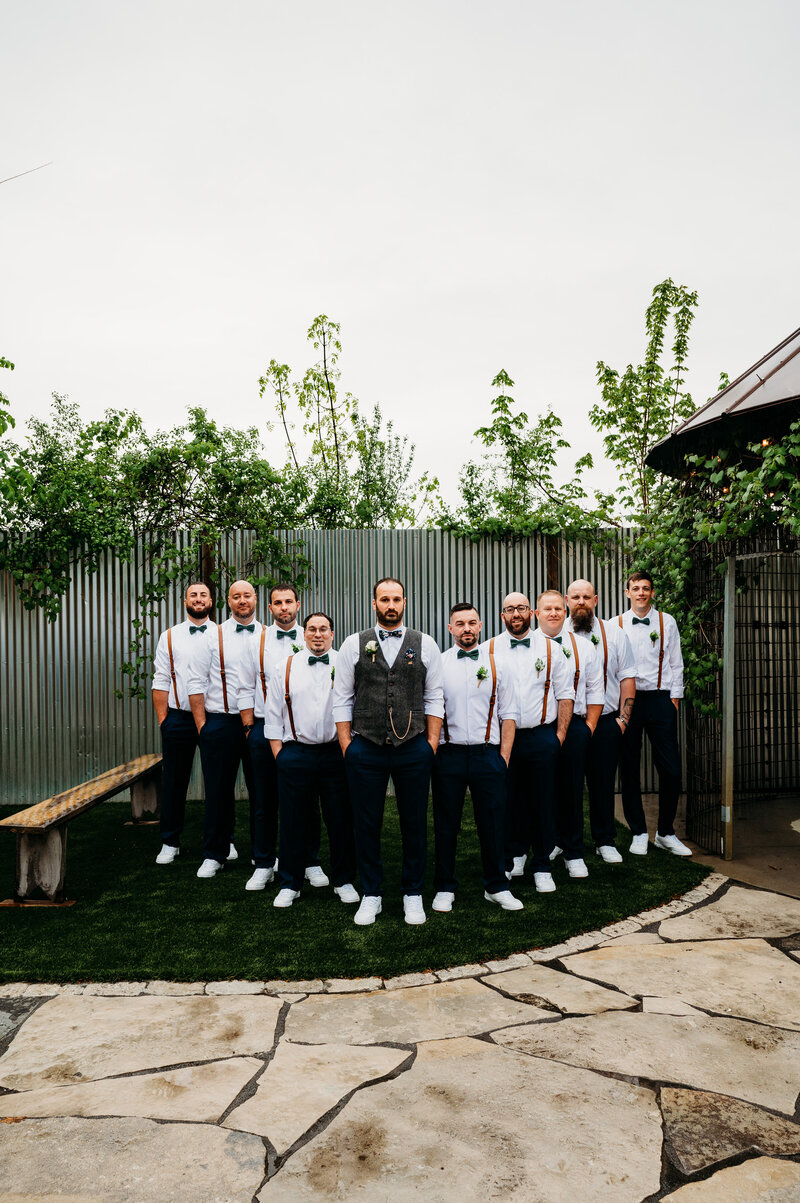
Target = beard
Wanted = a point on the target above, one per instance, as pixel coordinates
(199, 611)
(582, 620)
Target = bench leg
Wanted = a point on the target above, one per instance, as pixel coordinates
(41, 863)
(146, 796)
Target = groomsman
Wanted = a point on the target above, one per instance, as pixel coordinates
(656, 645)
(619, 678)
(213, 695)
(587, 681)
(174, 714)
(308, 760)
(544, 702)
(474, 750)
(388, 708)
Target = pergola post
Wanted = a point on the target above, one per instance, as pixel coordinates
(728, 697)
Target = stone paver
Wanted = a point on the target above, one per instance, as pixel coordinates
(128, 1160)
(434, 1133)
(72, 1039)
(764, 1180)
(198, 1092)
(305, 1083)
(637, 937)
(668, 1006)
(235, 988)
(747, 978)
(704, 1128)
(115, 989)
(459, 971)
(357, 985)
(729, 1056)
(460, 1008)
(409, 979)
(540, 985)
(738, 913)
(175, 989)
(516, 961)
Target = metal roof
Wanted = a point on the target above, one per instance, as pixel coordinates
(769, 389)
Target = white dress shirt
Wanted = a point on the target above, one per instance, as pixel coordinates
(589, 690)
(344, 685)
(204, 674)
(276, 653)
(529, 681)
(619, 666)
(311, 693)
(184, 647)
(646, 651)
(467, 697)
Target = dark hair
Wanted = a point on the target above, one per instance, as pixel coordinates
(383, 581)
(317, 614)
(196, 585)
(281, 588)
(459, 606)
(639, 576)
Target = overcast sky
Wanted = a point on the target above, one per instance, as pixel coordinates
(464, 186)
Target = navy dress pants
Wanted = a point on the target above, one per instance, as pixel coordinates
(221, 749)
(601, 775)
(481, 769)
(264, 805)
(654, 714)
(178, 744)
(532, 792)
(305, 773)
(369, 767)
(570, 769)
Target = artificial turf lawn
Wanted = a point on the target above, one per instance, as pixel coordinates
(134, 919)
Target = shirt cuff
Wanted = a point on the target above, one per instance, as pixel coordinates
(343, 714)
(273, 732)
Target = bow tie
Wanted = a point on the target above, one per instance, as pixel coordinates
(644, 621)
(193, 630)
(323, 659)
(556, 638)
(287, 634)
(462, 655)
(526, 642)
(241, 627)
(390, 634)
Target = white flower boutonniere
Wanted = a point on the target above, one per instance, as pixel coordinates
(333, 674)
(595, 640)
(482, 673)
(371, 649)
(654, 636)
(295, 648)
(539, 665)
(567, 652)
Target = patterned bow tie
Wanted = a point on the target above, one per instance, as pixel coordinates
(287, 634)
(526, 642)
(462, 655)
(644, 621)
(323, 659)
(390, 634)
(240, 627)
(193, 630)
(556, 638)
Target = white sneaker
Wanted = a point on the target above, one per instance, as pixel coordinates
(370, 907)
(285, 897)
(315, 876)
(167, 854)
(443, 901)
(609, 854)
(260, 878)
(232, 853)
(671, 843)
(209, 868)
(639, 844)
(413, 909)
(544, 883)
(346, 893)
(519, 866)
(577, 868)
(556, 852)
(505, 899)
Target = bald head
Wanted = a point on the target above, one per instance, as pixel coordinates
(582, 603)
(242, 601)
(516, 614)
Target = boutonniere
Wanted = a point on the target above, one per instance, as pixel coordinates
(333, 674)
(539, 665)
(567, 652)
(371, 649)
(595, 640)
(411, 656)
(295, 648)
(482, 673)
(653, 636)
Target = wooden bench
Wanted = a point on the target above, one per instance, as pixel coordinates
(41, 830)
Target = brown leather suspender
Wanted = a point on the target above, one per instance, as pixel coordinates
(577, 676)
(493, 698)
(287, 698)
(661, 649)
(261, 663)
(605, 657)
(547, 681)
(222, 672)
(172, 668)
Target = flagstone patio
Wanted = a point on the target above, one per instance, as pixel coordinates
(658, 1059)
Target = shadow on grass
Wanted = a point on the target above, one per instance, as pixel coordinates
(135, 920)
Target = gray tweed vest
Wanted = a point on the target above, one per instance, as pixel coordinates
(389, 702)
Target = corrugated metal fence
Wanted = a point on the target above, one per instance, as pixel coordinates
(62, 722)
